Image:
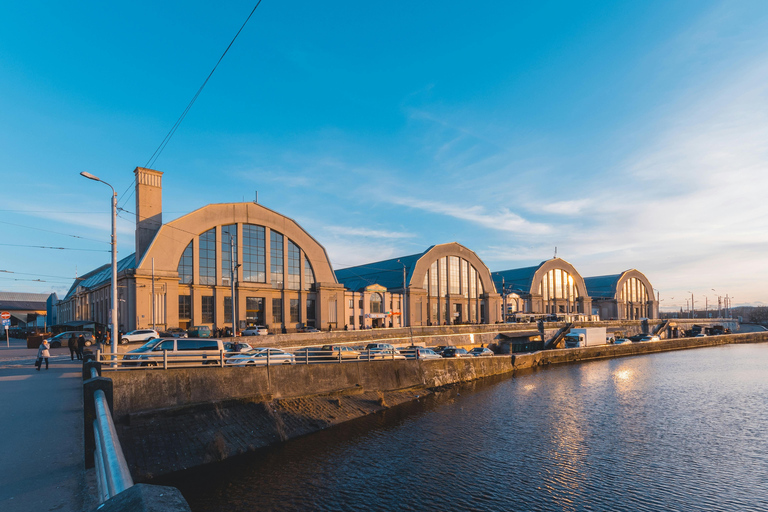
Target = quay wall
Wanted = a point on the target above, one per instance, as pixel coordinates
(138, 391)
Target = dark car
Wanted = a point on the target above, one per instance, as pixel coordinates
(455, 352)
(481, 352)
(62, 339)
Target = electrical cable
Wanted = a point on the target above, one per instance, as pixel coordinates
(170, 134)
(55, 232)
(58, 248)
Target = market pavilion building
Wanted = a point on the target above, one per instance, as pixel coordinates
(625, 296)
(183, 273)
(446, 284)
(553, 287)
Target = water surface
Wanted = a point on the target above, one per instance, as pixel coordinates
(676, 431)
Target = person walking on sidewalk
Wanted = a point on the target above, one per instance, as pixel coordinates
(72, 344)
(43, 352)
(80, 347)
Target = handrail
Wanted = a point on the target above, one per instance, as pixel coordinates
(112, 473)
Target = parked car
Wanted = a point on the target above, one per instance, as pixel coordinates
(199, 350)
(310, 329)
(237, 346)
(455, 352)
(385, 353)
(700, 335)
(261, 357)
(199, 331)
(177, 332)
(481, 352)
(419, 353)
(334, 352)
(62, 339)
(379, 346)
(255, 330)
(620, 341)
(139, 335)
(648, 337)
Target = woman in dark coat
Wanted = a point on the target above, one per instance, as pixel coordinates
(80, 346)
(72, 344)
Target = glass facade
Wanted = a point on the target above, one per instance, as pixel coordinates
(254, 254)
(295, 311)
(207, 257)
(185, 307)
(276, 259)
(294, 267)
(277, 311)
(311, 315)
(228, 232)
(207, 303)
(254, 310)
(309, 275)
(186, 266)
(227, 309)
(376, 303)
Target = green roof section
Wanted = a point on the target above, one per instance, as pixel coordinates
(386, 273)
(101, 275)
(516, 280)
(602, 287)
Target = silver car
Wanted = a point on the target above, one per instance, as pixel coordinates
(262, 357)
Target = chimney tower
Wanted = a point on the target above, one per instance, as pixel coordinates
(149, 208)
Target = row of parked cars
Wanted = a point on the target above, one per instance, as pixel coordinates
(210, 350)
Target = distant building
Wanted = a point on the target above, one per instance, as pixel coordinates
(28, 310)
(553, 287)
(181, 272)
(446, 284)
(625, 296)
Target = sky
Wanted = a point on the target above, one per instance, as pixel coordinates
(616, 134)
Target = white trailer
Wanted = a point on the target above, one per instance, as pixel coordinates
(585, 337)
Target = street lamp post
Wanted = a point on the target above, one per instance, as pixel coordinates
(114, 264)
(404, 312)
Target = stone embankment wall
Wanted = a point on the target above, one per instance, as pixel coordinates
(175, 419)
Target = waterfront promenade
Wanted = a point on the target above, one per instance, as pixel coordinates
(42, 463)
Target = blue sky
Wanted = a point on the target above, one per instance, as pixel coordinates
(626, 134)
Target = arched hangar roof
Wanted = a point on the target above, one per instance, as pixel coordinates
(525, 280)
(389, 273)
(609, 286)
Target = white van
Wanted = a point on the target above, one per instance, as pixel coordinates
(180, 351)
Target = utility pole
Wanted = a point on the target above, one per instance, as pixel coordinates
(405, 298)
(154, 327)
(232, 269)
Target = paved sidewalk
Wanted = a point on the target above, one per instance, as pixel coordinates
(41, 456)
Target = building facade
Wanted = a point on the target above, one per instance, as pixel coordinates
(446, 284)
(553, 287)
(625, 296)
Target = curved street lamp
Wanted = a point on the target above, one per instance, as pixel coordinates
(114, 264)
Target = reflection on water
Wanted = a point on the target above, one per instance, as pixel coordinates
(673, 431)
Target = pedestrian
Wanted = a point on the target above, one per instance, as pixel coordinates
(72, 344)
(43, 352)
(80, 347)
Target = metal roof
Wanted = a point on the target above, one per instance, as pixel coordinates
(518, 280)
(102, 274)
(387, 273)
(602, 286)
(23, 301)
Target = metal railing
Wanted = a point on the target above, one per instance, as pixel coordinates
(165, 359)
(112, 473)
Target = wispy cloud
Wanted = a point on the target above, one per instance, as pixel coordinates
(365, 232)
(501, 219)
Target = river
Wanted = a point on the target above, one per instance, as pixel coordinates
(674, 431)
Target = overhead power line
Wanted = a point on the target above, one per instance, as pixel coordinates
(57, 248)
(55, 232)
(167, 138)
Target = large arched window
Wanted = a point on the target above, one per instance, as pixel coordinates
(186, 267)
(634, 291)
(376, 303)
(309, 275)
(207, 257)
(276, 259)
(452, 275)
(294, 266)
(558, 284)
(228, 232)
(254, 254)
